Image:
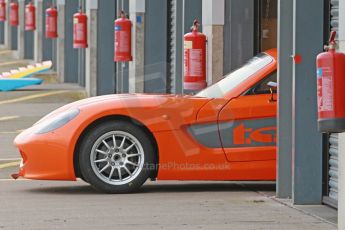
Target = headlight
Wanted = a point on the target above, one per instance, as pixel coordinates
(57, 121)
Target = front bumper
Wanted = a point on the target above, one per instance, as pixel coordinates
(45, 156)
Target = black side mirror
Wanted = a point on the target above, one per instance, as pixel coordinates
(273, 88)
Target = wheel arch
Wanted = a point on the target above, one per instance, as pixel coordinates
(115, 118)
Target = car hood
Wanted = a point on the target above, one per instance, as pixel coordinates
(138, 106)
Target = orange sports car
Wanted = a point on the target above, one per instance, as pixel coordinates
(116, 142)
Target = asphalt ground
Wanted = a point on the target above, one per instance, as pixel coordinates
(163, 205)
(27, 204)
(22, 108)
(9, 62)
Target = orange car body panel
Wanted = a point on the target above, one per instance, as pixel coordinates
(60, 143)
(50, 156)
(245, 109)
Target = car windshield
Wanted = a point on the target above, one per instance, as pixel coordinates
(233, 79)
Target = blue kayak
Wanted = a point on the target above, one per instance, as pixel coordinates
(8, 84)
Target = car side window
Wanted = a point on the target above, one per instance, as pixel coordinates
(262, 87)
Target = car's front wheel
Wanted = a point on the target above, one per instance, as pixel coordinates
(116, 157)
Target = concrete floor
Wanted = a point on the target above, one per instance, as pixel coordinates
(161, 205)
(26, 204)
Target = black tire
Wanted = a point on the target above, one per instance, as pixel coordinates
(90, 170)
(83, 179)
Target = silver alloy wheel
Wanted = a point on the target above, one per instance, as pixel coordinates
(117, 157)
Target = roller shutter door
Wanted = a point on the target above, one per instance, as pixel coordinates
(334, 14)
(332, 158)
(172, 31)
(333, 170)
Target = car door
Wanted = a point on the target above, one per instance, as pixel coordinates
(247, 124)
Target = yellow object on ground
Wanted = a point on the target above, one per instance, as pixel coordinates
(29, 70)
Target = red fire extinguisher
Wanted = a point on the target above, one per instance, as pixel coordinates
(80, 30)
(330, 88)
(30, 17)
(14, 14)
(194, 59)
(2, 11)
(123, 36)
(51, 22)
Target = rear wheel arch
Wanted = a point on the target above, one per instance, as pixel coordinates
(115, 118)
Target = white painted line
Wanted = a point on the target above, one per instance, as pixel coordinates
(5, 51)
(4, 180)
(11, 62)
(7, 118)
(32, 97)
(12, 132)
(10, 159)
(9, 165)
